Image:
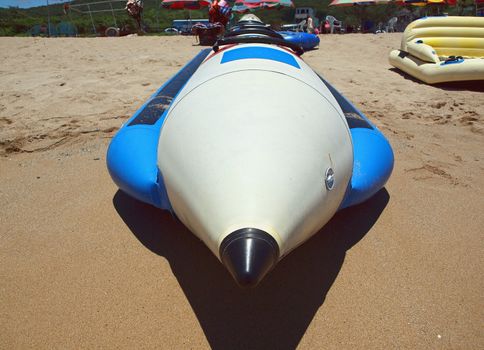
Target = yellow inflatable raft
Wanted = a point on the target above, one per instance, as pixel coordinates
(441, 49)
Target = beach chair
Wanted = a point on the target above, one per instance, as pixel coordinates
(380, 28)
(335, 25)
(301, 26)
(391, 25)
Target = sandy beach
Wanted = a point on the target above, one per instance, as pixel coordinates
(84, 266)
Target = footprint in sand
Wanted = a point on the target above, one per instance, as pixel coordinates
(438, 105)
(429, 171)
(477, 130)
(457, 158)
(444, 119)
(407, 115)
(5, 121)
(469, 118)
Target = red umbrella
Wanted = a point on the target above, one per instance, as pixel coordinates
(185, 4)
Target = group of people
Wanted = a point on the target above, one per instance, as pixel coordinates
(219, 15)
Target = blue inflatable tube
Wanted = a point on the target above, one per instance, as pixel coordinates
(305, 40)
(132, 154)
(372, 154)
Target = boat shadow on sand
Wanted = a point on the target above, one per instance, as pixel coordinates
(274, 315)
(471, 85)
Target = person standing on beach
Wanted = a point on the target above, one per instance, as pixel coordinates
(219, 12)
(135, 9)
(310, 24)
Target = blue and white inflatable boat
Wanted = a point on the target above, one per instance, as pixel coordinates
(256, 172)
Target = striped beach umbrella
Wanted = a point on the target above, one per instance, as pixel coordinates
(427, 2)
(443, 2)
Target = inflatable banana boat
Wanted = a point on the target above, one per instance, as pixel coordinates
(442, 49)
(257, 171)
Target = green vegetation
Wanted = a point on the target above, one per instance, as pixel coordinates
(16, 21)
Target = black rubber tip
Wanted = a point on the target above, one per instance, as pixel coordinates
(249, 254)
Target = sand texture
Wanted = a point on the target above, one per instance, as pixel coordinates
(83, 266)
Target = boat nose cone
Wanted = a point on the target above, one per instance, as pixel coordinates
(249, 254)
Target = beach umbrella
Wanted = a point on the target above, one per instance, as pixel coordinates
(359, 7)
(357, 2)
(185, 4)
(243, 6)
(411, 2)
(430, 5)
(427, 2)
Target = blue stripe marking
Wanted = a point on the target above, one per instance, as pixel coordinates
(458, 60)
(259, 52)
